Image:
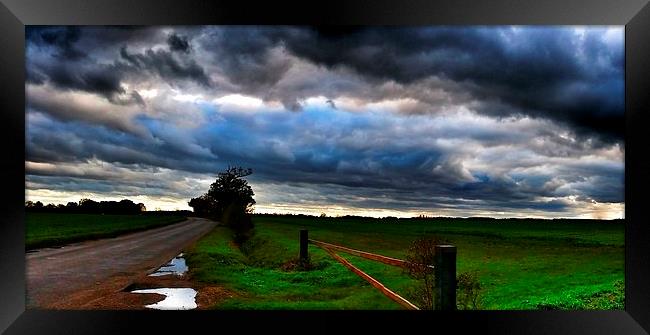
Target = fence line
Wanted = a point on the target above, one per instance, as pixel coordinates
(368, 255)
(383, 289)
(444, 267)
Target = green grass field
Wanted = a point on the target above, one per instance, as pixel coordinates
(521, 264)
(56, 229)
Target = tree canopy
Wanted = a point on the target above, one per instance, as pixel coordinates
(229, 199)
(230, 191)
(88, 206)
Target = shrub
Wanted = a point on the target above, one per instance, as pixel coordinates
(420, 255)
(468, 291)
(296, 264)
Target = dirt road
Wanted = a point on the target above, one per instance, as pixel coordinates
(76, 275)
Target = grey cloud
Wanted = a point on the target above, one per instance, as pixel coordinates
(96, 69)
(178, 43)
(53, 141)
(545, 72)
(166, 65)
(66, 108)
(62, 39)
(409, 164)
(158, 187)
(534, 72)
(246, 56)
(133, 98)
(414, 159)
(100, 79)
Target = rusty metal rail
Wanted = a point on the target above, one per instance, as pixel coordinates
(375, 257)
(368, 255)
(383, 289)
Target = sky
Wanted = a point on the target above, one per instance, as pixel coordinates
(499, 121)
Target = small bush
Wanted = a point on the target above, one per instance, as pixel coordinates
(295, 264)
(468, 291)
(614, 299)
(420, 255)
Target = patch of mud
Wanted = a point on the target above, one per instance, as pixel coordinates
(115, 294)
(125, 301)
(208, 296)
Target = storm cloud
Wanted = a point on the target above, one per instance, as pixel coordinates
(165, 65)
(500, 121)
(545, 72)
(178, 43)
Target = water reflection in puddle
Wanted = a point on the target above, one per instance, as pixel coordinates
(176, 266)
(175, 298)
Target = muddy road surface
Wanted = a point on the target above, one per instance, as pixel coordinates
(80, 274)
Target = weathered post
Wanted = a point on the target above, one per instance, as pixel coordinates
(445, 272)
(304, 252)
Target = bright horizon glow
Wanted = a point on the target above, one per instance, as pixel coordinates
(595, 211)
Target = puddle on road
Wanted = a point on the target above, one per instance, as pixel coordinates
(175, 298)
(176, 266)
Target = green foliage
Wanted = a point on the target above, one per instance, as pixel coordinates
(468, 291)
(229, 200)
(230, 192)
(262, 251)
(612, 298)
(240, 222)
(55, 229)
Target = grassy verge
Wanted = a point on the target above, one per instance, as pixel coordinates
(521, 264)
(55, 229)
(262, 284)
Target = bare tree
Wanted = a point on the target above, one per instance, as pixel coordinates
(420, 258)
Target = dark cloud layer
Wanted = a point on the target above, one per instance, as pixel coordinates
(104, 80)
(178, 43)
(61, 39)
(166, 65)
(518, 119)
(59, 59)
(544, 72)
(244, 55)
(413, 174)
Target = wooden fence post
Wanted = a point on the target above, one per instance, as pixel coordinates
(445, 272)
(304, 252)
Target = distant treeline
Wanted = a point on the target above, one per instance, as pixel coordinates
(432, 218)
(88, 206)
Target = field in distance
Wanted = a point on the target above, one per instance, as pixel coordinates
(521, 264)
(56, 229)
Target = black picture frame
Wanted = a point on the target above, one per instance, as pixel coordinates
(634, 14)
